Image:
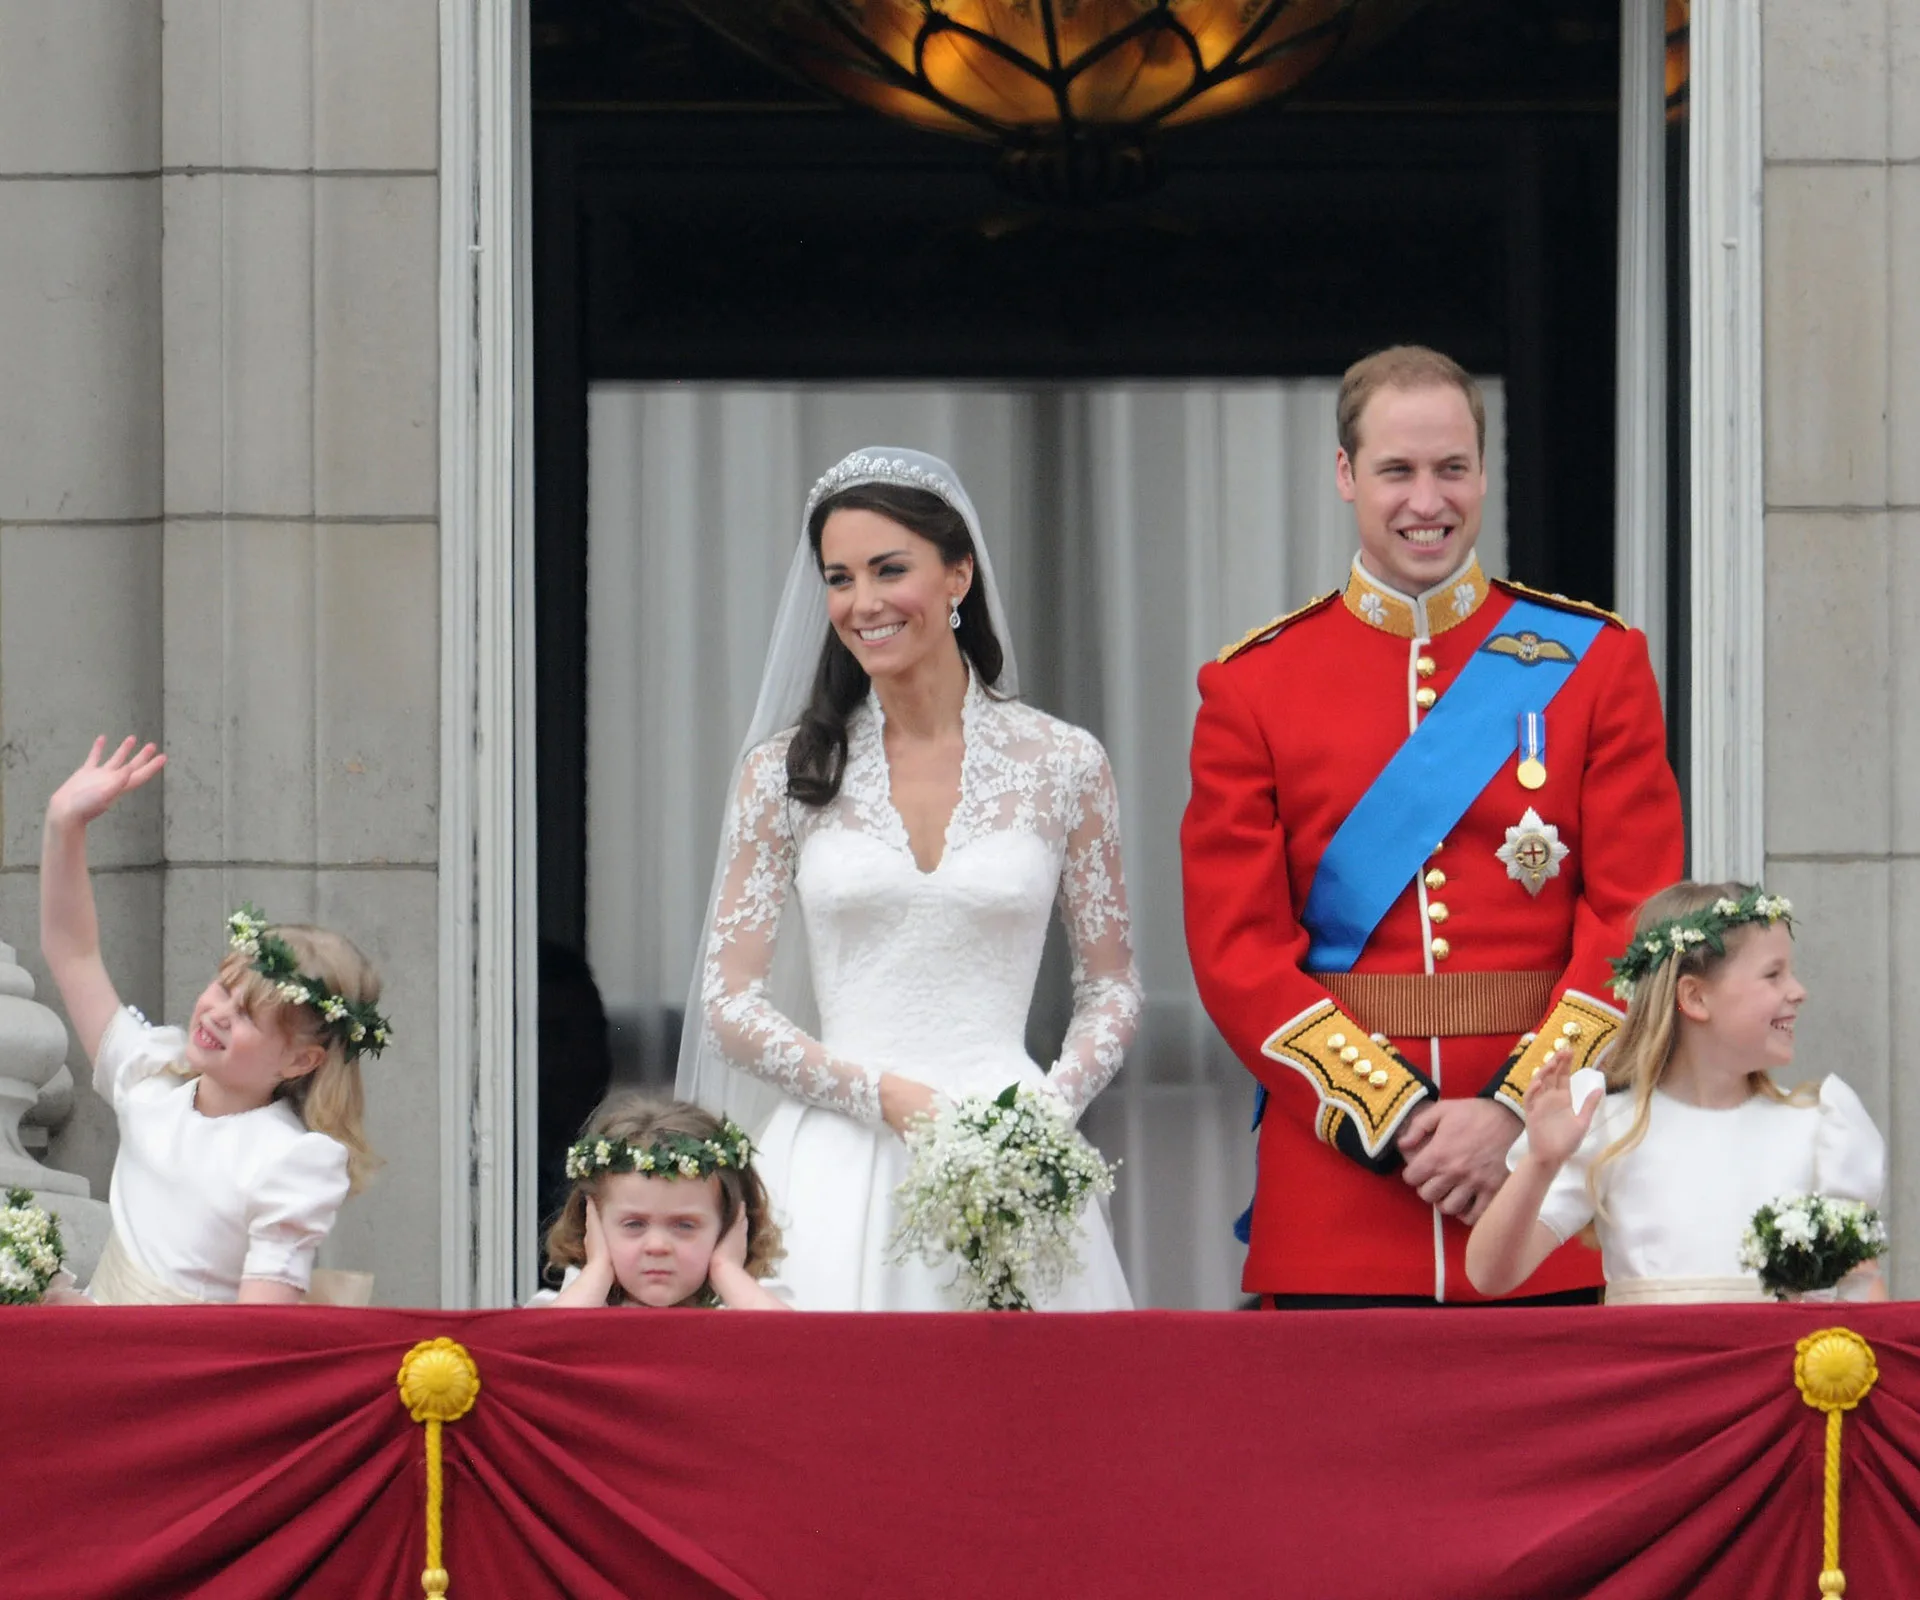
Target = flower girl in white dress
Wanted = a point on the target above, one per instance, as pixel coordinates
(926, 822)
(1670, 1170)
(665, 1211)
(240, 1135)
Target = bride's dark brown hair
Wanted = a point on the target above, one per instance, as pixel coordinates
(817, 755)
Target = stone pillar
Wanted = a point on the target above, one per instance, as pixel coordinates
(80, 449)
(218, 518)
(1841, 115)
(299, 297)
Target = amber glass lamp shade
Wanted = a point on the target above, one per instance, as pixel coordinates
(1067, 88)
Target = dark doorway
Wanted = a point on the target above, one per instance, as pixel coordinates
(698, 216)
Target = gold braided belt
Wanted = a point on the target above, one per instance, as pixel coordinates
(1442, 1005)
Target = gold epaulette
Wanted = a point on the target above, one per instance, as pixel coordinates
(1267, 630)
(1561, 601)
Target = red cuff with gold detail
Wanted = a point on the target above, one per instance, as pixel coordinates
(1586, 1026)
(1366, 1087)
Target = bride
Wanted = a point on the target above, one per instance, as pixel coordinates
(926, 821)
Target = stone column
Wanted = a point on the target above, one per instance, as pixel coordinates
(80, 431)
(299, 296)
(1842, 205)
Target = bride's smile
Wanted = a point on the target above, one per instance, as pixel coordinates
(890, 594)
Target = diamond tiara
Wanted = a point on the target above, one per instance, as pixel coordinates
(878, 469)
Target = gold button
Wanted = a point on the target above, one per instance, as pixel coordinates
(1378, 1079)
(1362, 1067)
(1436, 879)
(1571, 1030)
(1349, 1054)
(1440, 948)
(1439, 847)
(1528, 1038)
(1425, 666)
(1378, 1038)
(1336, 1040)
(1424, 698)
(1437, 912)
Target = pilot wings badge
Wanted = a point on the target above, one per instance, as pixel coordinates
(1527, 648)
(1533, 852)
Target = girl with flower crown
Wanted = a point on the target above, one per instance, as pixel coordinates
(240, 1135)
(1693, 1136)
(666, 1211)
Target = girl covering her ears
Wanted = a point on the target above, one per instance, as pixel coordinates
(239, 1135)
(1670, 1170)
(666, 1211)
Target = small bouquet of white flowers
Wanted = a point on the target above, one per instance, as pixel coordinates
(30, 1249)
(1804, 1243)
(997, 1185)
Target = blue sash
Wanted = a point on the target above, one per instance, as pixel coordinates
(1432, 779)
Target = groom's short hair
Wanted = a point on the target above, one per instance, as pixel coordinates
(1403, 366)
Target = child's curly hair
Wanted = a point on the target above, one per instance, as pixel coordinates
(635, 1119)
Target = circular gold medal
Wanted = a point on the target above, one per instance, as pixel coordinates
(1531, 772)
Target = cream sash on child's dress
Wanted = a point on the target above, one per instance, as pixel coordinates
(334, 1287)
(119, 1280)
(1683, 1291)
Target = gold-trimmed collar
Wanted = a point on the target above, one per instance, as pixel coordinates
(1426, 616)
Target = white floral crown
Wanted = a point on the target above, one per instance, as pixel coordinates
(862, 468)
(1709, 926)
(673, 1155)
(357, 1026)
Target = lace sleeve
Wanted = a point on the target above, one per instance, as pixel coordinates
(742, 1021)
(1093, 895)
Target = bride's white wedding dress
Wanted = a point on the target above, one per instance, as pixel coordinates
(925, 974)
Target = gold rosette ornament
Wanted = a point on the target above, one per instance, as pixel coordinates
(438, 1384)
(1834, 1368)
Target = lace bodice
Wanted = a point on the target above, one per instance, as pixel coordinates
(928, 975)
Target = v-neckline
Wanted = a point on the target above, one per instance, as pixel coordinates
(894, 813)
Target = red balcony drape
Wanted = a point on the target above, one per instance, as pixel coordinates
(1637, 1452)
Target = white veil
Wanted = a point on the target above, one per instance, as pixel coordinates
(793, 655)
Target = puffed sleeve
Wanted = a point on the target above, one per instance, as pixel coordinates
(1849, 1155)
(1093, 898)
(1568, 1206)
(293, 1201)
(742, 1020)
(132, 1050)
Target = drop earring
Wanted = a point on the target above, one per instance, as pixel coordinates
(953, 613)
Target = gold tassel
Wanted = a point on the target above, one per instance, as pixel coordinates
(438, 1384)
(1834, 1368)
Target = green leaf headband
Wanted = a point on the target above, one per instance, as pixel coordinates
(676, 1155)
(1708, 926)
(358, 1027)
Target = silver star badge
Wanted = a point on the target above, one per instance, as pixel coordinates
(1533, 852)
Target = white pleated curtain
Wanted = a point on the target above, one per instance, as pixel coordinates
(1134, 528)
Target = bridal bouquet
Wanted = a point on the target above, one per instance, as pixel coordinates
(997, 1185)
(30, 1249)
(1803, 1243)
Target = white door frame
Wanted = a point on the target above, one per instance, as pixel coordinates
(489, 949)
(1728, 594)
(487, 914)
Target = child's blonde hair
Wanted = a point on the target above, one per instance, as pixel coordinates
(637, 1120)
(1644, 1045)
(330, 1098)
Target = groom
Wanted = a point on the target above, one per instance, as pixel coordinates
(1424, 812)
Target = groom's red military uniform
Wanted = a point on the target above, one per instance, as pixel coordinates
(1495, 951)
